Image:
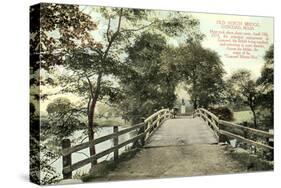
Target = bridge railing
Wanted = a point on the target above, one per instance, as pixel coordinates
(155, 120)
(225, 130)
(144, 131)
(210, 118)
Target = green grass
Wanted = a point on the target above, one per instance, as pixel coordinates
(242, 116)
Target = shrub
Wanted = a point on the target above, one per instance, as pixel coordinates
(223, 113)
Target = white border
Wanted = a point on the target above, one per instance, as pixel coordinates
(15, 92)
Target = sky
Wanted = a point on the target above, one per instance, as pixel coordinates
(208, 21)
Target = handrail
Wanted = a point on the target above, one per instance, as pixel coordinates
(83, 162)
(210, 113)
(154, 121)
(145, 130)
(99, 140)
(217, 126)
(212, 121)
(155, 114)
(249, 141)
(254, 131)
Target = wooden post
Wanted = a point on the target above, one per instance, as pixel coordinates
(203, 116)
(209, 124)
(144, 135)
(149, 124)
(158, 120)
(66, 160)
(168, 114)
(222, 138)
(271, 143)
(115, 143)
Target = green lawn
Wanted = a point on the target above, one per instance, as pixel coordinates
(243, 116)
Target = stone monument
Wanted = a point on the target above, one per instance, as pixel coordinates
(182, 107)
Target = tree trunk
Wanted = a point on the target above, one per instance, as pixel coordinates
(195, 101)
(95, 94)
(254, 116)
(91, 113)
(91, 129)
(195, 105)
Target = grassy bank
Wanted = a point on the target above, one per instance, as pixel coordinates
(243, 116)
(251, 162)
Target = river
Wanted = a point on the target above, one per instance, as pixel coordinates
(83, 154)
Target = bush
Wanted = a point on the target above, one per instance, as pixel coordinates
(223, 113)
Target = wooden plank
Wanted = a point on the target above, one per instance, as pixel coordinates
(137, 126)
(211, 122)
(254, 131)
(210, 113)
(155, 114)
(99, 140)
(238, 137)
(149, 131)
(203, 113)
(213, 125)
(66, 160)
(87, 144)
(216, 135)
(271, 139)
(99, 155)
(115, 143)
(151, 125)
(151, 117)
(155, 121)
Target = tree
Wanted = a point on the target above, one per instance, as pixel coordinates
(63, 119)
(91, 65)
(243, 88)
(150, 84)
(41, 172)
(53, 30)
(170, 74)
(202, 70)
(265, 86)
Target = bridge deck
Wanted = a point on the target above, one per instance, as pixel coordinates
(183, 131)
(180, 147)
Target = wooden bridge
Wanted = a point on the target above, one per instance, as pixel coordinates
(182, 146)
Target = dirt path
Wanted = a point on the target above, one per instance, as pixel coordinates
(180, 147)
(192, 160)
